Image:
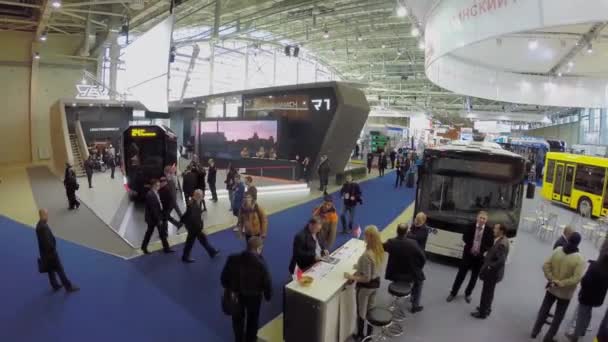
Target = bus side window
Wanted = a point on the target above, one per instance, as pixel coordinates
(606, 197)
(589, 179)
(550, 170)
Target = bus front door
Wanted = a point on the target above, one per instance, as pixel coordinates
(558, 183)
(605, 206)
(562, 187)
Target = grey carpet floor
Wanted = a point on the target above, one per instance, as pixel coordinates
(517, 298)
(81, 226)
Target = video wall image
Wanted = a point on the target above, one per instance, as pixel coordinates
(239, 139)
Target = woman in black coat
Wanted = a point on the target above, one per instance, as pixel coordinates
(594, 286)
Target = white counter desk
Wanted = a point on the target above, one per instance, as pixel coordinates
(326, 310)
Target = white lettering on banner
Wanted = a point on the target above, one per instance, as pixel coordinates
(92, 92)
(318, 103)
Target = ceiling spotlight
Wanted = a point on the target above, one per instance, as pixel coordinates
(43, 36)
(36, 55)
(359, 37)
(383, 46)
(421, 44)
(83, 81)
(590, 49)
(415, 31)
(354, 56)
(532, 44)
(333, 50)
(570, 64)
(401, 11)
(399, 52)
(325, 32)
(56, 3)
(559, 74)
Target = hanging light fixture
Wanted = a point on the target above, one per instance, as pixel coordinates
(415, 31)
(44, 36)
(532, 44)
(56, 3)
(325, 32)
(421, 44)
(590, 49)
(401, 11)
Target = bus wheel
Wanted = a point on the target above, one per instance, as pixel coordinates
(585, 207)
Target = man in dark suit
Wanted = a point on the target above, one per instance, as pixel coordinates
(89, 166)
(154, 218)
(247, 276)
(493, 270)
(168, 199)
(324, 170)
(71, 185)
(563, 239)
(308, 247)
(49, 258)
(405, 263)
(194, 225)
(211, 179)
(189, 183)
(477, 240)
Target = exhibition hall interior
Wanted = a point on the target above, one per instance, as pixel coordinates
(304, 170)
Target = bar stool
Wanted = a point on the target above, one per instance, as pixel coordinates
(382, 318)
(399, 290)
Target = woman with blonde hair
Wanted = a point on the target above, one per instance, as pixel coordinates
(419, 231)
(367, 277)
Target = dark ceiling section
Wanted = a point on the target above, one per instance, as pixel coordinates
(18, 12)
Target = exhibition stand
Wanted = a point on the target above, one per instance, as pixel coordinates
(324, 311)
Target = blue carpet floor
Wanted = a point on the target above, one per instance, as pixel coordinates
(156, 297)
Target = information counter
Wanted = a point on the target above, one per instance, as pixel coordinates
(325, 311)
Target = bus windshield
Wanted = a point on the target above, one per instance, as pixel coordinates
(458, 199)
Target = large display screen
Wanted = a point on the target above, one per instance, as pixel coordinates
(239, 139)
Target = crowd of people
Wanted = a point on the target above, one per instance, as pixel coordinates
(247, 280)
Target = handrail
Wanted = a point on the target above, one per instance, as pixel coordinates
(82, 143)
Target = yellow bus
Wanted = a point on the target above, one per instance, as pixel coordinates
(578, 181)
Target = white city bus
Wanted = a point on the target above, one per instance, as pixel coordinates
(458, 180)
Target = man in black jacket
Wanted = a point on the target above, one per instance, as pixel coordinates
(370, 161)
(190, 179)
(382, 163)
(324, 171)
(594, 286)
(71, 185)
(492, 270)
(89, 166)
(193, 220)
(563, 239)
(405, 263)
(247, 275)
(168, 199)
(392, 155)
(351, 193)
(49, 258)
(308, 247)
(154, 218)
(477, 240)
(211, 179)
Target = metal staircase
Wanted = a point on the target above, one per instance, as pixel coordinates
(78, 161)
